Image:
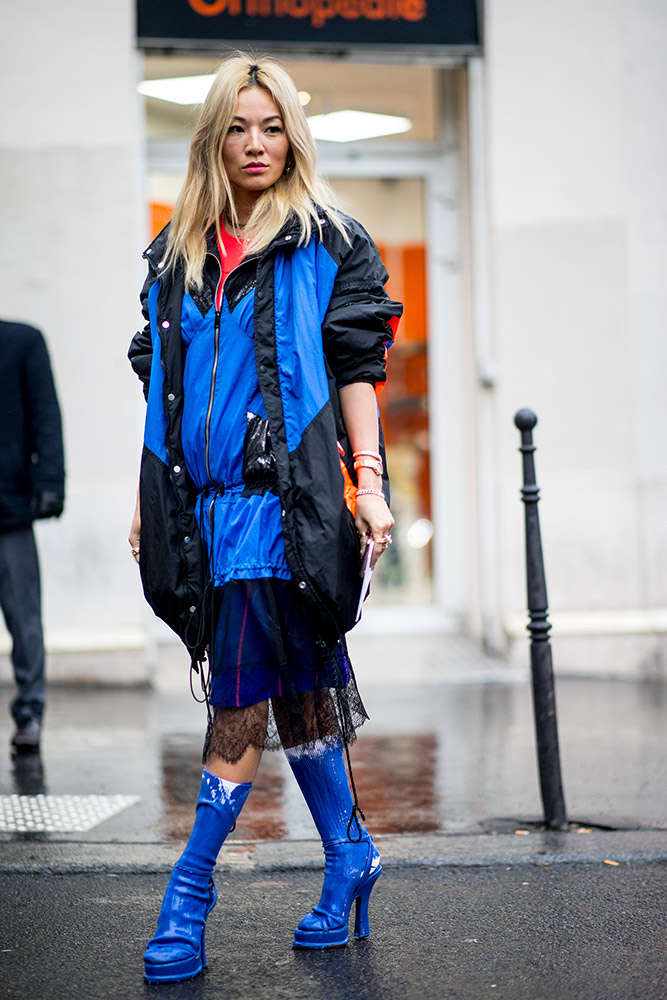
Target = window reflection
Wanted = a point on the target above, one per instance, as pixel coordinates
(393, 212)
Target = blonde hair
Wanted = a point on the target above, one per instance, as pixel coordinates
(206, 196)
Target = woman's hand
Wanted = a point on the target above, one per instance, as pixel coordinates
(135, 530)
(360, 414)
(373, 520)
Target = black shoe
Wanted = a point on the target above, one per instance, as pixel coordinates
(26, 737)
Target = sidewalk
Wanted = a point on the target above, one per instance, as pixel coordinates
(450, 749)
(447, 777)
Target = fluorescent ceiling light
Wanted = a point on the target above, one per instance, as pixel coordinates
(188, 89)
(351, 126)
(179, 89)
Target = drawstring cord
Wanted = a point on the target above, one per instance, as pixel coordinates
(357, 811)
(201, 664)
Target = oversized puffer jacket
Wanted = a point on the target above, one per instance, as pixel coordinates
(321, 319)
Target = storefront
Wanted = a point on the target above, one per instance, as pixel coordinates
(404, 97)
(523, 218)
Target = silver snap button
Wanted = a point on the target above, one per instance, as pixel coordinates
(161, 263)
(165, 324)
(186, 539)
(302, 585)
(150, 250)
(192, 609)
(287, 238)
(283, 513)
(177, 468)
(171, 397)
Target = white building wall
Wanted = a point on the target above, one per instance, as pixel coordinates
(71, 217)
(576, 160)
(576, 98)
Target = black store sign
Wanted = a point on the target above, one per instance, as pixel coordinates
(346, 23)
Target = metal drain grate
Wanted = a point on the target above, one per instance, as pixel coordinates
(59, 813)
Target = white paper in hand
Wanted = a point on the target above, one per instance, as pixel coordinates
(366, 578)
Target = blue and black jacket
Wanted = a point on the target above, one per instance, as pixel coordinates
(319, 318)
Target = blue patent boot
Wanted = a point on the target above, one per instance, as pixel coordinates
(178, 949)
(352, 866)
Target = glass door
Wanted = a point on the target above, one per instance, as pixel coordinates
(402, 188)
(392, 210)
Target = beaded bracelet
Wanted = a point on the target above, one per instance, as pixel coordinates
(377, 493)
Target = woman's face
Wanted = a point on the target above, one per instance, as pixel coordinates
(256, 147)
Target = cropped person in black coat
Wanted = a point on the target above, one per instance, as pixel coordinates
(32, 486)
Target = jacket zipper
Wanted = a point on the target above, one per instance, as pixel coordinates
(214, 371)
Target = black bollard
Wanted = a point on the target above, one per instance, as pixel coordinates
(544, 697)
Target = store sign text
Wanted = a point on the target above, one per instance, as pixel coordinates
(407, 25)
(318, 11)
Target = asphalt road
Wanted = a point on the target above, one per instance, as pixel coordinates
(520, 932)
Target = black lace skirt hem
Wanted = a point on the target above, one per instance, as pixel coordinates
(274, 682)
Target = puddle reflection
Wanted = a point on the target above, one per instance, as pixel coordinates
(262, 816)
(395, 778)
(28, 775)
(396, 781)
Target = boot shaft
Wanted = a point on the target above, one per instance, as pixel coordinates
(319, 769)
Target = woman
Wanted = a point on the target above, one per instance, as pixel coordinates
(267, 331)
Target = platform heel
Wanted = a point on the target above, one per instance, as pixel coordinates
(350, 872)
(362, 927)
(352, 866)
(178, 949)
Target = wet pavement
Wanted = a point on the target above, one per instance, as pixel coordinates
(449, 749)
(522, 932)
(476, 901)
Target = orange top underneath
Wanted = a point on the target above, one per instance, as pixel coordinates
(234, 252)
